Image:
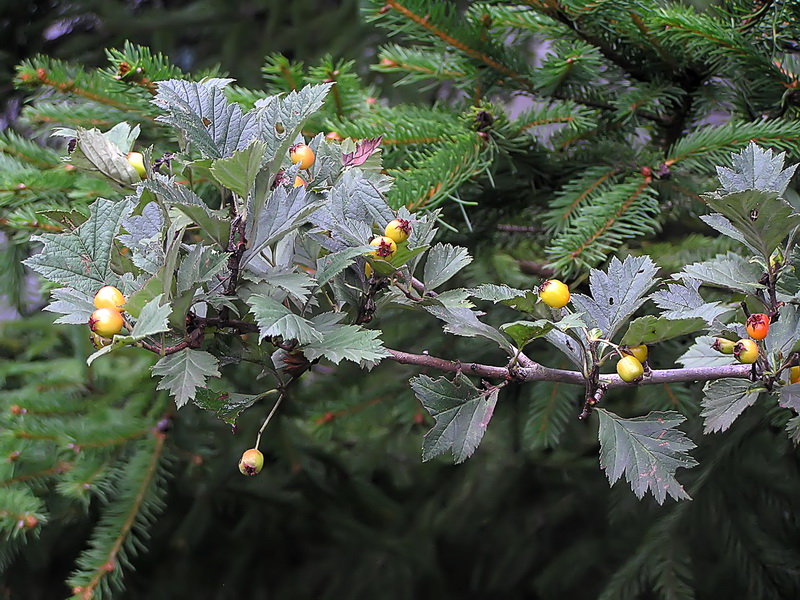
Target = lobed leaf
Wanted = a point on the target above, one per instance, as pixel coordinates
(443, 262)
(81, 259)
(648, 450)
(461, 413)
(184, 372)
(725, 399)
(616, 294)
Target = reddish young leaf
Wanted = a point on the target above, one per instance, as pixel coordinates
(363, 151)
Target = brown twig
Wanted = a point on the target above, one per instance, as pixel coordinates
(537, 372)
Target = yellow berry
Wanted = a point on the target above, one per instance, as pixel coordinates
(251, 463)
(746, 351)
(629, 368)
(554, 293)
(300, 153)
(109, 297)
(794, 375)
(106, 322)
(398, 230)
(385, 247)
(640, 352)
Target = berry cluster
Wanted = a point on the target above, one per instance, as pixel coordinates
(107, 320)
(395, 233)
(746, 350)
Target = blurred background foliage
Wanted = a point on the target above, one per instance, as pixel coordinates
(344, 507)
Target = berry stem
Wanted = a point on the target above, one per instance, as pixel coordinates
(269, 416)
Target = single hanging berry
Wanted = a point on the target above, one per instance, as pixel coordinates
(251, 463)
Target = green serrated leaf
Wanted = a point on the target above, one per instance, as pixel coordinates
(225, 406)
(81, 259)
(153, 319)
(290, 112)
(350, 342)
(497, 293)
(274, 319)
(648, 450)
(461, 413)
(330, 265)
(725, 399)
(282, 212)
(756, 168)
(200, 110)
(200, 265)
(650, 329)
(176, 195)
(790, 396)
(185, 371)
(729, 271)
(152, 288)
(443, 261)
(762, 217)
(238, 172)
(784, 333)
(75, 306)
(684, 302)
(617, 294)
(793, 430)
(725, 227)
(524, 332)
(464, 321)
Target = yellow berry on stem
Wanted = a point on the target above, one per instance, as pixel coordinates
(106, 322)
(300, 153)
(398, 230)
(385, 247)
(554, 293)
(109, 297)
(251, 463)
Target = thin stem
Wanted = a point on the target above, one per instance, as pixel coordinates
(269, 416)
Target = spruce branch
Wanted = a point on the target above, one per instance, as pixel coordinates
(72, 86)
(116, 538)
(425, 22)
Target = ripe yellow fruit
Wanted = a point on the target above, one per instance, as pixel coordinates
(640, 352)
(251, 463)
(299, 181)
(300, 153)
(109, 297)
(554, 293)
(746, 351)
(629, 368)
(794, 375)
(385, 247)
(106, 322)
(398, 230)
(136, 160)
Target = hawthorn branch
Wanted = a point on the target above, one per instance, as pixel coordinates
(537, 372)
